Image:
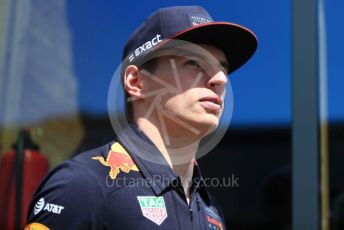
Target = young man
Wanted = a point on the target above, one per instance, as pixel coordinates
(175, 68)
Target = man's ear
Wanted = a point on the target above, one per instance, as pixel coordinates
(133, 81)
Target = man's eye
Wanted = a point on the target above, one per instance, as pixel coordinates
(193, 63)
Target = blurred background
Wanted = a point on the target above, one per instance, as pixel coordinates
(57, 59)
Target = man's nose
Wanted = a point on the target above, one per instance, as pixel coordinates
(218, 78)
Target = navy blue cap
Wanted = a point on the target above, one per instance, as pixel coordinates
(192, 24)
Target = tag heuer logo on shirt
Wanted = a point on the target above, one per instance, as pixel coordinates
(153, 208)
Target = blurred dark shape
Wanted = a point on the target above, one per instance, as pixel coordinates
(276, 199)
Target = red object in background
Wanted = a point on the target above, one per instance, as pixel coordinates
(35, 166)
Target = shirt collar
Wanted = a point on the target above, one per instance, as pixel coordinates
(199, 183)
(148, 158)
(154, 167)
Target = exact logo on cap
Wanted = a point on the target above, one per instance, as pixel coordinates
(145, 47)
(45, 206)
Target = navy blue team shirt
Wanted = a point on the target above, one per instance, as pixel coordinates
(118, 186)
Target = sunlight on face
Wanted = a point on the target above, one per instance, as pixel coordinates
(194, 78)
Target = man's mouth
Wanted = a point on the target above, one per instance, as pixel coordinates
(213, 103)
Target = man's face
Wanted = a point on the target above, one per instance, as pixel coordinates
(193, 81)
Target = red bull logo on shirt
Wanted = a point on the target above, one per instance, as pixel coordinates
(214, 221)
(118, 160)
(36, 226)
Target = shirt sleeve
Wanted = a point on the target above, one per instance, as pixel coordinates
(70, 197)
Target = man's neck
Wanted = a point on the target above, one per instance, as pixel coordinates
(179, 153)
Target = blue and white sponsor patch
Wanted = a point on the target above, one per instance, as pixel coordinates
(198, 19)
(42, 205)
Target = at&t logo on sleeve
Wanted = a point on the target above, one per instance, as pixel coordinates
(45, 206)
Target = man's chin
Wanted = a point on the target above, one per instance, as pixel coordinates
(212, 128)
(198, 125)
(207, 124)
